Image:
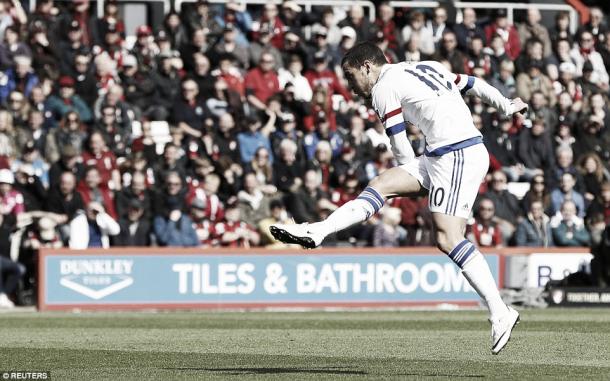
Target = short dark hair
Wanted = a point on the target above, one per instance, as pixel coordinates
(364, 51)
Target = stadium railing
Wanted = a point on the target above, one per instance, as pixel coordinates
(510, 8)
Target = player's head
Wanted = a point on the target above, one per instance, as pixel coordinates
(361, 65)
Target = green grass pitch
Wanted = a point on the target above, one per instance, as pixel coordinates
(548, 344)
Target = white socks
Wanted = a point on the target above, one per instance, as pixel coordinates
(479, 276)
(352, 212)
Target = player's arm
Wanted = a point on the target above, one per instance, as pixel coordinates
(386, 103)
(467, 84)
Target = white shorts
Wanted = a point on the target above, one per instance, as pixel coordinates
(453, 179)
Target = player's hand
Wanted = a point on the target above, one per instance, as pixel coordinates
(519, 106)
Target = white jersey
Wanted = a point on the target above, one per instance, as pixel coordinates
(429, 96)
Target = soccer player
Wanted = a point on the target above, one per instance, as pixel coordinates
(455, 162)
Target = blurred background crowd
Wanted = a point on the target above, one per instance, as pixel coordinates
(207, 128)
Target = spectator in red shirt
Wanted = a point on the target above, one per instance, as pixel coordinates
(99, 156)
(485, 231)
(262, 82)
(385, 23)
(11, 201)
(92, 189)
(203, 193)
(508, 32)
(234, 232)
(270, 20)
(322, 76)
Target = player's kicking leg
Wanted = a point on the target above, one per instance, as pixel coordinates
(391, 183)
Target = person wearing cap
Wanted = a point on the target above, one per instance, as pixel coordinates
(66, 101)
(202, 225)
(320, 75)
(71, 46)
(235, 12)
(144, 50)
(68, 160)
(320, 44)
(262, 42)
(292, 14)
(11, 200)
(506, 31)
(20, 77)
(135, 226)
(262, 82)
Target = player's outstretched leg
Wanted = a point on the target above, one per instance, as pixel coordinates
(393, 182)
(450, 238)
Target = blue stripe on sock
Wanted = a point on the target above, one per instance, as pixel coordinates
(457, 249)
(374, 193)
(371, 201)
(465, 257)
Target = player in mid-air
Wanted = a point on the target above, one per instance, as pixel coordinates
(455, 162)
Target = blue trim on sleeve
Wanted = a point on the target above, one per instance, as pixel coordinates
(395, 129)
(469, 84)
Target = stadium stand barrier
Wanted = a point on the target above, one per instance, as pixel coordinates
(168, 278)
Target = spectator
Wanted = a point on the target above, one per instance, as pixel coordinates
(135, 226)
(175, 229)
(566, 191)
(595, 25)
(99, 156)
(535, 229)
(507, 32)
(568, 228)
(189, 112)
(202, 17)
(355, 19)
(228, 45)
(11, 200)
(292, 75)
(64, 200)
(504, 79)
(167, 83)
(21, 78)
(66, 100)
(538, 191)
(305, 204)
(144, 50)
(70, 162)
(485, 230)
(565, 164)
(140, 91)
(253, 202)
(601, 204)
(287, 169)
(535, 149)
(278, 215)
(468, 29)
(416, 35)
(92, 228)
(93, 189)
(585, 52)
(10, 274)
(533, 79)
(262, 82)
(255, 137)
(532, 28)
(137, 190)
(505, 203)
(448, 51)
(12, 47)
(388, 232)
(234, 232)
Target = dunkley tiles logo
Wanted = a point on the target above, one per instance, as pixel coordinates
(96, 278)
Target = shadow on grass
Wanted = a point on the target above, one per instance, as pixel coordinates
(287, 370)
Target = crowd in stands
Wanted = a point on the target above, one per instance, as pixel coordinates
(260, 126)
